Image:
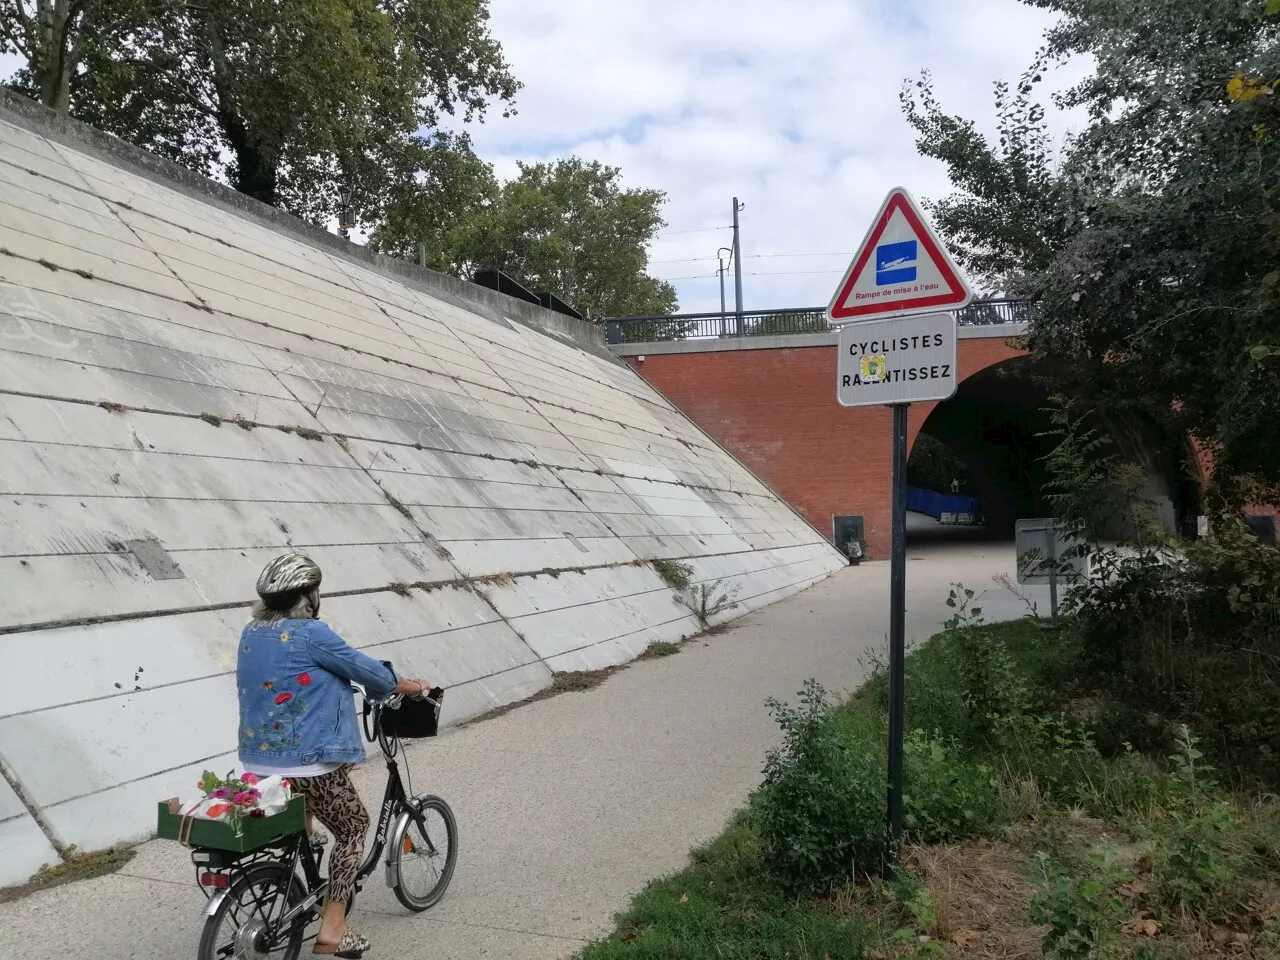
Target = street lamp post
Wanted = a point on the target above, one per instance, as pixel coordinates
(346, 215)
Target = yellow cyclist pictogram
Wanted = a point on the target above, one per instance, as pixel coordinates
(873, 368)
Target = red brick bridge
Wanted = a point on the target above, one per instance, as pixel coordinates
(764, 388)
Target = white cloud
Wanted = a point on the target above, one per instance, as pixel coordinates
(792, 107)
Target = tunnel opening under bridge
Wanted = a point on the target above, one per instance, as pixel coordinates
(995, 434)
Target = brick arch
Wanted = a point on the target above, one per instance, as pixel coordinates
(774, 407)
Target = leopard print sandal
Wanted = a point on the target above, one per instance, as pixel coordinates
(351, 947)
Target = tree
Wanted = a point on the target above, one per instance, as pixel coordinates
(288, 99)
(1151, 245)
(54, 37)
(567, 227)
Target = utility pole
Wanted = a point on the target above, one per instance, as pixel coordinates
(737, 266)
(720, 272)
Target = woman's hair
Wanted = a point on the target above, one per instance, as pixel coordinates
(294, 605)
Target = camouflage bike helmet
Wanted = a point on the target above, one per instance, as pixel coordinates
(290, 574)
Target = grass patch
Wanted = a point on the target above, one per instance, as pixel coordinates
(75, 866)
(576, 681)
(658, 649)
(1024, 839)
(721, 907)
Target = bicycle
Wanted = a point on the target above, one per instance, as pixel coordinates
(272, 894)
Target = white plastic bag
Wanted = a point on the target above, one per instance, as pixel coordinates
(200, 808)
(275, 795)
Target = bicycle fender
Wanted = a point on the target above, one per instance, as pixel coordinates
(216, 901)
(393, 844)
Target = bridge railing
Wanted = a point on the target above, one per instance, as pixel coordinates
(768, 323)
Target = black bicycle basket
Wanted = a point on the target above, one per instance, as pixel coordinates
(414, 718)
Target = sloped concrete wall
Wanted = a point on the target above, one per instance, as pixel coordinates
(481, 482)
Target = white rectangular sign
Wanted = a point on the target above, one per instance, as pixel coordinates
(905, 360)
(1043, 546)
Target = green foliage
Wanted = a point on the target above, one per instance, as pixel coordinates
(820, 809)
(1192, 863)
(1150, 237)
(568, 227)
(707, 600)
(286, 100)
(992, 688)
(675, 574)
(1083, 914)
(947, 796)
(1190, 639)
(725, 905)
(932, 466)
(1093, 492)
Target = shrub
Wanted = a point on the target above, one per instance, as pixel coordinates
(1193, 639)
(1084, 914)
(1193, 863)
(820, 810)
(946, 795)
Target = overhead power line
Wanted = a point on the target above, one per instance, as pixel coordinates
(757, 273)
(761, 256)
(670, 233)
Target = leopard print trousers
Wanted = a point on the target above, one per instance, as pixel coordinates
(332, 799)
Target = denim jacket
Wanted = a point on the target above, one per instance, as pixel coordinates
(296, 703)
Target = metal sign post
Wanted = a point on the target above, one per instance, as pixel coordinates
(1049, 552)
(1051, 544)
(897, 623)
(895, 349)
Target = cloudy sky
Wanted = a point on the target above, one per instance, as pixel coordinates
(792, 106)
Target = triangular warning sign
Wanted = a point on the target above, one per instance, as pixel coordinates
(902, 268)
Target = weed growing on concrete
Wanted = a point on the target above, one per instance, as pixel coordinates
(242, 423)
(676, 575)
(400, 589)
(87, 274)
(575, 681)
(74, 866)
(48, 264)
(113, 407)
(306, 433)
(212, 419)
(658, 649)
(706, 600)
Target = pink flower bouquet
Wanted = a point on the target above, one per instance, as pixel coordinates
(236, 797)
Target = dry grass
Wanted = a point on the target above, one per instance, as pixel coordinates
(980, 890)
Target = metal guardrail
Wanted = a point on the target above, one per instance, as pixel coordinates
(768, 323)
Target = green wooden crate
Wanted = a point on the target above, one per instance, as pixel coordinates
(254, 833)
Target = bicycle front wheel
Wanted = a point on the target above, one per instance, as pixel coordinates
(241, 927)
(423, 855)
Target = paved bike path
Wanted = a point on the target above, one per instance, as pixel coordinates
(566, 806)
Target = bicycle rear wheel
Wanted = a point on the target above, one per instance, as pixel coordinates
(423, 855)
(257, 898)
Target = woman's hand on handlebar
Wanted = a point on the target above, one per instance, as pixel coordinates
(412, 688)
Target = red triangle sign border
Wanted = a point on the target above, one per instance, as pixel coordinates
(958, 295)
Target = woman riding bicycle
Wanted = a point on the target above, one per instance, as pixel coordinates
(298, 720)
